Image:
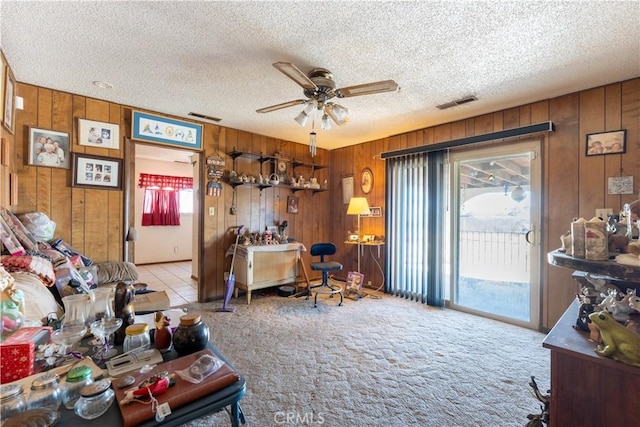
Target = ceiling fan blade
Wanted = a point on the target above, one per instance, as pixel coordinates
(367, 89)
(329, 110)
(281, 106)
(295, 74)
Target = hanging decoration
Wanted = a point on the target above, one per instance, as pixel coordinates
(215, 168)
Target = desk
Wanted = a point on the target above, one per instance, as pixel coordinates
(259, 267)
(227, 397)
(588, 389)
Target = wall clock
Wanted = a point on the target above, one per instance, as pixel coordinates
(366, 180)
(281, 169)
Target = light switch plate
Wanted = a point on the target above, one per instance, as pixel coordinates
(212, 211)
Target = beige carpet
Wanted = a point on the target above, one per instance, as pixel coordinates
(375, 362)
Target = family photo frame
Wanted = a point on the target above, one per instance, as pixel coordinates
(96, 172)
(98, 134)
(602, 143)
(48, 148)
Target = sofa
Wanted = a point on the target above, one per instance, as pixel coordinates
(47, 271)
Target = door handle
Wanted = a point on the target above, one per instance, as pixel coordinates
(527, 235)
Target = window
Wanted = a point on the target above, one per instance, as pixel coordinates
(186, 201)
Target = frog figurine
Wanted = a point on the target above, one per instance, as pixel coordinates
(620, 343)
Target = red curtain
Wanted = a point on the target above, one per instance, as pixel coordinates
(164, 181)
(162, 198)
(161, 207)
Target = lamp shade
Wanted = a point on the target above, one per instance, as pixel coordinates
(358, 206)
(326, 122)
(302, 118)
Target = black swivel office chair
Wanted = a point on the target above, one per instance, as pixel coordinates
(322, 250)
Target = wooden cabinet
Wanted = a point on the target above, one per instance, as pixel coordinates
(588, 389)
(259, 267)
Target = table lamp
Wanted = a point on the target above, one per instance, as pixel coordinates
(358, 206)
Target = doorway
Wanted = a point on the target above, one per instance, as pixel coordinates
(494, 225)
(185, 242)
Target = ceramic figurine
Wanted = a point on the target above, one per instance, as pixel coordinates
(123, 305)
(162, 337)
(620, 343)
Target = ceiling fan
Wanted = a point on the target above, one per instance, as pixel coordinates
(319, 87)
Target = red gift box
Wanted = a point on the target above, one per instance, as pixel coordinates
(18, 352)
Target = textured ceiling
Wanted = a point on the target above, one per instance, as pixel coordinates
(215, 58)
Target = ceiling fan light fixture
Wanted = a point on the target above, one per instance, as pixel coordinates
(341, 113)
(311, 105)
(326, 122)
(302, 118)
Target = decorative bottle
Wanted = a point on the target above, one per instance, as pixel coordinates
(191, 335)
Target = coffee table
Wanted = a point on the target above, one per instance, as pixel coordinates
(227, 399)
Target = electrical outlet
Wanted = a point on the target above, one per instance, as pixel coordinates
(603, 213)
(212, 211)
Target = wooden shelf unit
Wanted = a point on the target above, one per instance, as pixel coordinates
(234, 154)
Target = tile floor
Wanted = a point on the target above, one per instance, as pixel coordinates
(174, 278)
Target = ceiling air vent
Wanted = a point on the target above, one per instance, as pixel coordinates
(457, 102)
(202, 116)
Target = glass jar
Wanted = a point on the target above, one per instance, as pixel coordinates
(94, 400)
(136, 336)
(45, 392)
(77, 379)
(102, 301)
(191, 335)
(12, 400)
(76, 310)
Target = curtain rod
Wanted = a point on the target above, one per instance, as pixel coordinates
(509, 133)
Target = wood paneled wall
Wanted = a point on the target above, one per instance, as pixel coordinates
(573, 185)
(92, 220)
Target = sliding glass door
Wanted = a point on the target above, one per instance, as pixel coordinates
(494, 227)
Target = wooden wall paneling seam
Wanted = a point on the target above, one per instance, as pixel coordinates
(630, 120)
(483, 124)
(591, 168)
(612, 121)
(564, 153)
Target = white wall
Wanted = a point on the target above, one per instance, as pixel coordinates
(155, 243)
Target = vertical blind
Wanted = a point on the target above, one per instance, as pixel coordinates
(414, 191)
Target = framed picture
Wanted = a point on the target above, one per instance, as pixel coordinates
(48, 148)
(5, 152)
(355, 281)
(2, 78)
(98, 134)
(163, 130)
(606, 143)
(366, 180)
(97, 172)
(9, 100)
(292, 204)
(376, 211)
(347, 189)
(620, 185)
